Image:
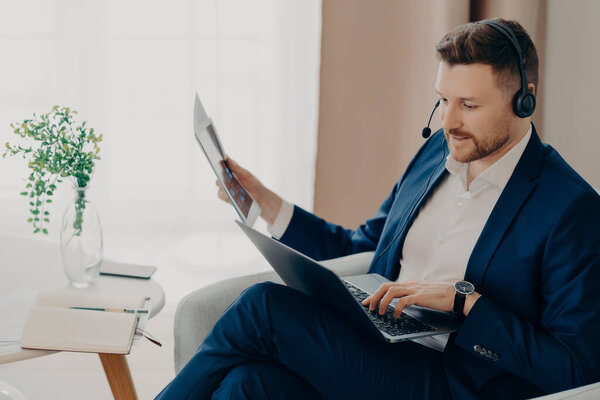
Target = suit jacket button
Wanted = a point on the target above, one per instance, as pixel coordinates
(477, 348)
(495, 357)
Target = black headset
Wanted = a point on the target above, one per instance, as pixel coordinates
(524, 100)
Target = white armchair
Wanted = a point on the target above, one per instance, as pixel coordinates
(198, 311)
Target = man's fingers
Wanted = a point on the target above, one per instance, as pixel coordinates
(237, 168)
(223, 197)
(392, 293)
(438, 296)
(221, 193)
(232, 163)
(404, 302)
(379, 293)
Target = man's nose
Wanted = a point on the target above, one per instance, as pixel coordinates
(450, 117)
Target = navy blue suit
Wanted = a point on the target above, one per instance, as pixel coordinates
(533, 331)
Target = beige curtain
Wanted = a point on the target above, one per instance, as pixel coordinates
(378, 70)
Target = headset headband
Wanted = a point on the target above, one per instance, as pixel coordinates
(508, 33)
(524, 99)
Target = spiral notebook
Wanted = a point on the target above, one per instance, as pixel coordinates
(52, 325)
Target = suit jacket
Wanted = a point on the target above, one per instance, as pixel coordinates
(536, 264)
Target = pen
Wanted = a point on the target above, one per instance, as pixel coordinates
(121, 310)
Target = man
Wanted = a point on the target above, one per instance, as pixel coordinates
(504, 212)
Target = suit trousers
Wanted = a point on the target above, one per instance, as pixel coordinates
(276, 342)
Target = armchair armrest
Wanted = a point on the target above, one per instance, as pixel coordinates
(198, 311)
(588, 392)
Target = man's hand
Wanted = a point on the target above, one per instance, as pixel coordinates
(269, 202)
(438, 296)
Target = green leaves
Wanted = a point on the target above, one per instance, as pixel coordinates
(61, 147)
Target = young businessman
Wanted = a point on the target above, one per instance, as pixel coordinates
(483, 201)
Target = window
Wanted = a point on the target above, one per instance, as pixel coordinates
(131, 69)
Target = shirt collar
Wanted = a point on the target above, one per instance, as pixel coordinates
(498, 173)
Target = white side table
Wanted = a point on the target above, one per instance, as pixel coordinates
(28, 267)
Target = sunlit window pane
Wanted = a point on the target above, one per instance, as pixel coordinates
(149, 119)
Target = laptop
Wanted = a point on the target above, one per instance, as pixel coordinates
(346, 294)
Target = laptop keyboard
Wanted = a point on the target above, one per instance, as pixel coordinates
(404, 325)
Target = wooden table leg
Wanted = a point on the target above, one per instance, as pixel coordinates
(118, 375)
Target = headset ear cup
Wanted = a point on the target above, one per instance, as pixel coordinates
(524, 103)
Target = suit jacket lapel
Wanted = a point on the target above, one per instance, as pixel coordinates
(516, 192)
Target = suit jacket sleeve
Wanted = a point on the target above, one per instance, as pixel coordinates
(562, 350)
(323, 240)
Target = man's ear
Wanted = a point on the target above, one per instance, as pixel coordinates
(531, 87)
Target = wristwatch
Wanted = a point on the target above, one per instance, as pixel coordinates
(463, 289)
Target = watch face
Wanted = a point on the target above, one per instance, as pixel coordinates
(464, 287)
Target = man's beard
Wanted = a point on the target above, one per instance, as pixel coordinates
(482, 148)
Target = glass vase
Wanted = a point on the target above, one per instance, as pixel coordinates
(81, 240)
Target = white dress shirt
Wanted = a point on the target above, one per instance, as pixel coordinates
(444, 232)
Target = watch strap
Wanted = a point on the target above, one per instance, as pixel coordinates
(459, 302)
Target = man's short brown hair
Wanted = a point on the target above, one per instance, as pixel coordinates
(477, 42)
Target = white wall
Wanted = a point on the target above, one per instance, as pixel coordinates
(572, 84)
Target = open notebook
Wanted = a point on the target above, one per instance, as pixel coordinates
(52, 325)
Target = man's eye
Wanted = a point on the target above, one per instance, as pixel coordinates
(470, 107)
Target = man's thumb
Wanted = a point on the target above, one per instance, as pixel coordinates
(235, 167)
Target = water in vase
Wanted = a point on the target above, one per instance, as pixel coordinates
(81, 241)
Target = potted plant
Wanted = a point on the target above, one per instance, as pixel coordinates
(63, 148)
